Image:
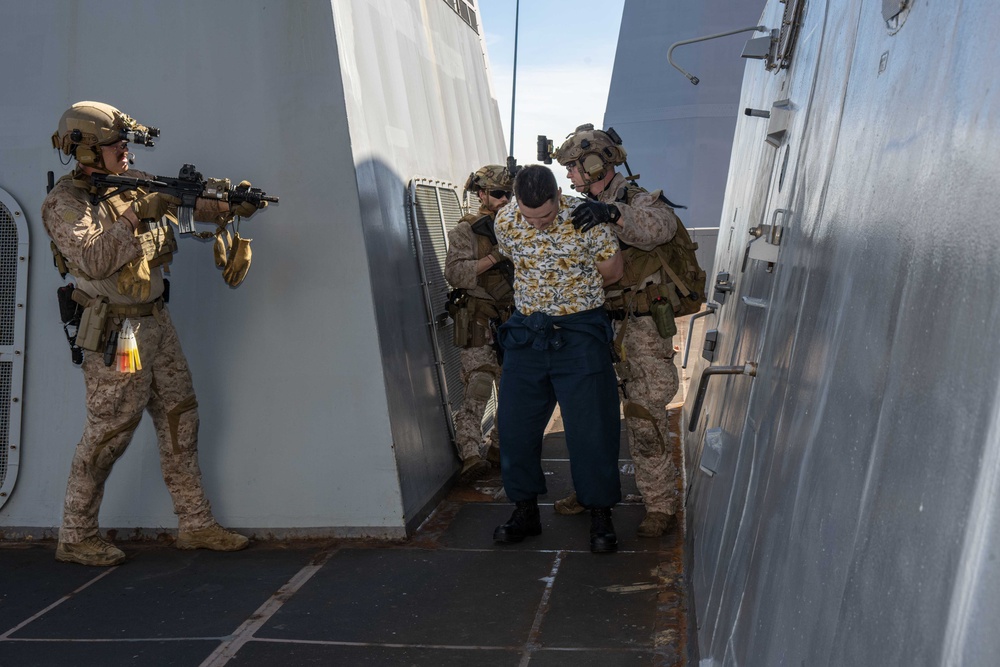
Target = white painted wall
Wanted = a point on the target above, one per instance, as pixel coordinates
(297, 431)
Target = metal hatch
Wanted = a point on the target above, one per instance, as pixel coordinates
(435, 210)
(13, 297)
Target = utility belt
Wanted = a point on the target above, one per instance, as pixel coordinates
(476, 320)
(136, 310)
(649, 301)
(619, 314)
(95, 319)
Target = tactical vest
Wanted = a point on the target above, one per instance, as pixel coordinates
(492, 281)
(669, 271)
(157, 240)
(474, 315)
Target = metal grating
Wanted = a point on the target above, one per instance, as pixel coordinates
(465, 10)
(472, 202)
(437, 211)
(437, 208)
(5, 378)
(8, 275)
(13, 298)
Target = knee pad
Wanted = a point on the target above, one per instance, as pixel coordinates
(481, 386)
(174, 418)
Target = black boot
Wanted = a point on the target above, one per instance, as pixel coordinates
(602, 532)
(523, 522)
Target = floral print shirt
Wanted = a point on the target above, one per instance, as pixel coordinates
(555, 269)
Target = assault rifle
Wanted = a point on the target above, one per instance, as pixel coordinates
(188, 186)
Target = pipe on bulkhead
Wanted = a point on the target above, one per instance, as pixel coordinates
(749, 368)
(712, 307)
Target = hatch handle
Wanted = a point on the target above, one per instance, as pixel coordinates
(749, 368)
(711, 308)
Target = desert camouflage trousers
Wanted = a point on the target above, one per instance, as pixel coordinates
(115, 402)
(650, 384)
(479, 372)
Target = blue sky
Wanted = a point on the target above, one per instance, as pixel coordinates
(565, 54)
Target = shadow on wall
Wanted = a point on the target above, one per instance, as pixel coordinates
(424, 452)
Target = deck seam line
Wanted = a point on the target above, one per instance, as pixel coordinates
(58, 602)
(229, 648)
(532, 644)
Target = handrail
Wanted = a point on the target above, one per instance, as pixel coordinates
(692, 78)
(712, 307)
(749, 368)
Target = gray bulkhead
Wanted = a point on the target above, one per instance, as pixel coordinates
(852, 517)
(679, 136)
(320, 405)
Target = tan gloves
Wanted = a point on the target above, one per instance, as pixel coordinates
(243, 209)
(221, 245)
(153, 205)
(246, 209)
(133, 280)
(238, 262)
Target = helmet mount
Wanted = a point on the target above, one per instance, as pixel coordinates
(490, 177)
(594, 152)
(87, 126)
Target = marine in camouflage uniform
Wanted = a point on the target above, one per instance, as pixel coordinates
(646, 372)
(112, 262)
(481, 277)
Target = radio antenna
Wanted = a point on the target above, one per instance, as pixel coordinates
(511, 162)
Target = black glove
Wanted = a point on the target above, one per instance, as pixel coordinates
(591, 213)
(506, 269)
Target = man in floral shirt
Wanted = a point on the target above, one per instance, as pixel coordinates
(556, 350)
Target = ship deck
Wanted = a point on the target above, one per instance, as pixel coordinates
(445, 596)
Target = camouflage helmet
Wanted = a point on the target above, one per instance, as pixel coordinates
(593, 150)
(88, 125)
(490, 177)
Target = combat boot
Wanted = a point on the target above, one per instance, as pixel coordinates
(91, 551)
(493, 455)
(473, 468)
(523, 522)
(602, 532)
(215, 537)
(656, 524)
(568, 505)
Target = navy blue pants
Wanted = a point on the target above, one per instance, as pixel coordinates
(564, 360)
